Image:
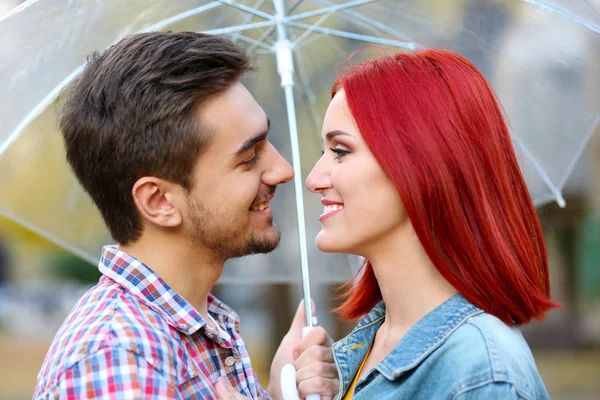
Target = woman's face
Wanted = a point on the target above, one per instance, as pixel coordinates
(361, 204)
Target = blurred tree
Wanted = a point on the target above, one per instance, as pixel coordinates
(589, 259)
(69, 267)
(4, 262)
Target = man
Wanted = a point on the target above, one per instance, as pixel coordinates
(174, 151)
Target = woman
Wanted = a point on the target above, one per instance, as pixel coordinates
(419, 177)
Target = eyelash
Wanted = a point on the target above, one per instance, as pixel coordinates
(340, 152)
(251, 162)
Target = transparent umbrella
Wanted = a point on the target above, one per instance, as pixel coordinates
(540, 57)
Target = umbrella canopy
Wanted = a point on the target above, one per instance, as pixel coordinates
(539, 56)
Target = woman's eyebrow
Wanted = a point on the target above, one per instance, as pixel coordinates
(330, 135)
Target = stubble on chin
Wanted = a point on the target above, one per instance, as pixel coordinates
(226, 245)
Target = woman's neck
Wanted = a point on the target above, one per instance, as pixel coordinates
(410, 284)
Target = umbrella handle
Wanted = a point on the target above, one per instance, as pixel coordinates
(289, 391)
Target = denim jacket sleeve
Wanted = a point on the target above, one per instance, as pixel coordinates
(491, 391)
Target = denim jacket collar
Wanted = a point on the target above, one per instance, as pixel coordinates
(419, 342)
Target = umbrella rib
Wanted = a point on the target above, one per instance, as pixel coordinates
(239, 28)
(343, 54)
(330, 9)
(54, 93)
(311, 40)
(310, 95)
(249, 18)
(310, 30)
(179, 17)
(247, 9)
(355, 36)
(33, 114)
(262, 39)
(18, 9)
(562, 14)
(293, 7)
(355, 16)
(593, 6)
(255, 43)
(49, 237)
(538, 169)
(581, 149)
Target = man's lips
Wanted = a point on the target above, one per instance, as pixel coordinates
(262, 205)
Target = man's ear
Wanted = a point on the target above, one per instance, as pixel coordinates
(155, 201)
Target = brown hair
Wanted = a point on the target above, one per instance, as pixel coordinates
(129, 115)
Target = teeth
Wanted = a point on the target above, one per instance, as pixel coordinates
(260, 207)
(331, 208)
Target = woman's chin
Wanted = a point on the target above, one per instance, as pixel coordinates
(327, 243)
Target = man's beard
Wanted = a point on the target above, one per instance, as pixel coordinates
(219, 236)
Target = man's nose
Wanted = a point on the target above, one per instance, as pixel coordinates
(281, 171)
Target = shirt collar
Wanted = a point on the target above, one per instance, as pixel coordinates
(429, 333)
(420, 341)
(143, 283)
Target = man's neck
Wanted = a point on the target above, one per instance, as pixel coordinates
(189, 272)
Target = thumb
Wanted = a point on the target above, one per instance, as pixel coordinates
(226, 392)
(299, 320)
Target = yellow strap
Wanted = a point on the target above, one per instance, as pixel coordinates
(350, 391)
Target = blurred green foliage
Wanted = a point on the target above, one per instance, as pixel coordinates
(65, 266)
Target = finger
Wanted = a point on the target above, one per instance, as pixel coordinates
(226, 392)
(222, 391)
(319, 385)
(299, 320)
(314, 354)
(315, 369)
(315, 337)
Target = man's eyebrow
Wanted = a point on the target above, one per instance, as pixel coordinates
(248, 144)
(330, 135)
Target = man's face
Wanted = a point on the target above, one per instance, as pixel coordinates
(228, 209)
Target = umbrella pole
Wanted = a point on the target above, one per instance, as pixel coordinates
(285, 67)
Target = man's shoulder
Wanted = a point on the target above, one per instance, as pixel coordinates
(87, 327)
(107, 317)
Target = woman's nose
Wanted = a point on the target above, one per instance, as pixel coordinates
(318, 179)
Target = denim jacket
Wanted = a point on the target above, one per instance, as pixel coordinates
(457, 351)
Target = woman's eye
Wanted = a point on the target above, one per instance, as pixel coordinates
(340, 152)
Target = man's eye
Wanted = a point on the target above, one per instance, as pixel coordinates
(251, 162)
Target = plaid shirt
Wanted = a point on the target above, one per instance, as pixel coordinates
(132, 337)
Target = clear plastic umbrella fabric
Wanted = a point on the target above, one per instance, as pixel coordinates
(541, 57)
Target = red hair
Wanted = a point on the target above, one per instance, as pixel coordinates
(434, 125)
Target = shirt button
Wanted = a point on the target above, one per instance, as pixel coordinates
(229, 361)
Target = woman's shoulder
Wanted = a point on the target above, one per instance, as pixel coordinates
(494, 342)
(486, 354)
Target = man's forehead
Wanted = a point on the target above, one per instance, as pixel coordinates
(234, 115)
